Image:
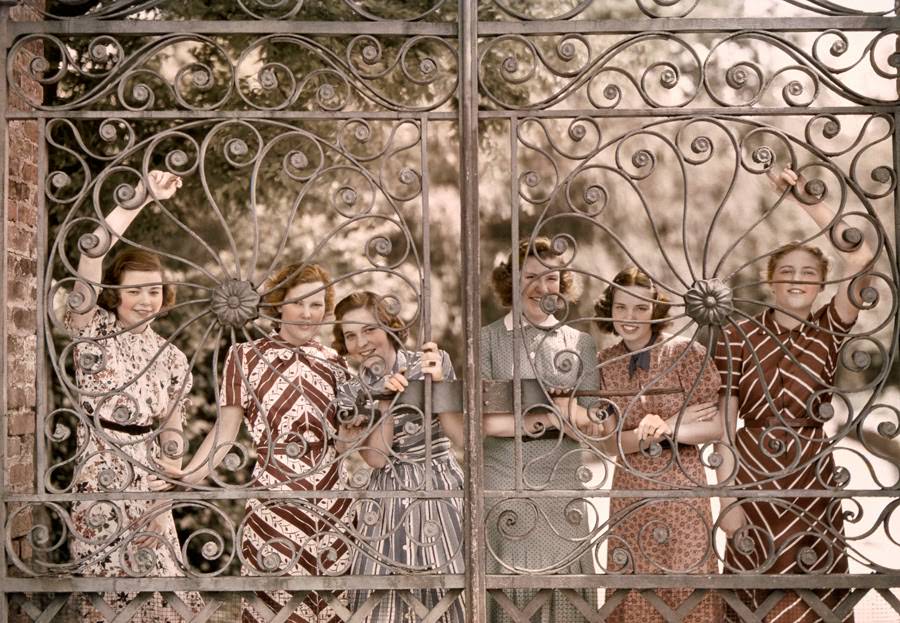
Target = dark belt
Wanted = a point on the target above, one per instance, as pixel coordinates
(788, 422)
(128, 429)
(549, 433)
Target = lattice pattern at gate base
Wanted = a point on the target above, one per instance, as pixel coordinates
(526, 612)
(218, 607)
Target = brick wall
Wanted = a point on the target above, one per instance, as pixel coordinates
(21, 290)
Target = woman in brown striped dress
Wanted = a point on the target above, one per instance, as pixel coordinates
(776, 371)
(284, 387)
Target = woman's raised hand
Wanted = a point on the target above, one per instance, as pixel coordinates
(432, 360)
(162, 185)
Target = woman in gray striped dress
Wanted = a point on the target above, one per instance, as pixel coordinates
(398, 535)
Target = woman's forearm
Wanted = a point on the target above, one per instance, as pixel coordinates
(218, 439)
(504, 424)
(172, 442)
(695, 433)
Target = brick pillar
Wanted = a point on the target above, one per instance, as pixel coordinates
(21, 290)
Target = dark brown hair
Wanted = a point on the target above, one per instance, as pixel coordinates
(366, 299)
(795, 245)
(135, 260)
(501, 277)
(632, 276)
(292, 275)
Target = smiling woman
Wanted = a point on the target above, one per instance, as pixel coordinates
(284, 386)
(131, 387)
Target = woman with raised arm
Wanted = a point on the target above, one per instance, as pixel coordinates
(656, 431)
(776, 371)
(402, 533)
(131, 388)
(284, 387)
(545, 534)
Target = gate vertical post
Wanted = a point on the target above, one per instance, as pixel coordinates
(4, 271)
(471, 262)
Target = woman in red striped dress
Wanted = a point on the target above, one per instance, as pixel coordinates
(284, 385)
(777, 369)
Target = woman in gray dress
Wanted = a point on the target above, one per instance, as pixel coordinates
(398, 534)
(543, 535)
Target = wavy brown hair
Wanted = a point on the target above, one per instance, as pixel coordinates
(501, 277)
(632, 276)
(135, 260)
(794, 245)
(366, 299)
(292, 275)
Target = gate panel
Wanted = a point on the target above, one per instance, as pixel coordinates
(346, 134)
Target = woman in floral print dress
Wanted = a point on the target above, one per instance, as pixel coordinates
(130, 390)
(653, 535)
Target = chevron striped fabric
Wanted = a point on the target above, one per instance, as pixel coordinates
(781, 379)
(288, 397)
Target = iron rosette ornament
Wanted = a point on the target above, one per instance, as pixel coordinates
(133, 395)
(696, 206)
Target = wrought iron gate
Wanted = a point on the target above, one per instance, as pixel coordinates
(408, 147)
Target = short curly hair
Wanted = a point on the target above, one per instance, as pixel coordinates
(135, 260)
(632, 276)
(501, 277)
(795, 245)
(366, 299)
(292, 275)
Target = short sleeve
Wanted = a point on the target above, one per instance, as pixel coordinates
(181, 381)
(699, 368)
(487, 370)
(590, 377)
(729, 356)
(830, 320)
(233, 391)
(102, 323)
(447, 367)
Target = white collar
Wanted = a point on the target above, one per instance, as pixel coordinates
(548, 323)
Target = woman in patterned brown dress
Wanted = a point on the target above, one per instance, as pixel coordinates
(776, 372)
(130, 388)
(284, 387)
(657, 535)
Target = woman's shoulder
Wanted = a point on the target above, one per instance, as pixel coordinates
(612, 351)
(494, 327)
(678, 344)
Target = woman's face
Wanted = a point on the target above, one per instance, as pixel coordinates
(367, 344)
(632, 310)
(140, 298)
(536, 284)
(801, 275)
(302, 312)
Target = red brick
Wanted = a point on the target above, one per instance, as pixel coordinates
(24, 319)
(20, 475)
(20, 424)
(20, 524)
(22, 240)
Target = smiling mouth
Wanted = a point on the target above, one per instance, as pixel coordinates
(630, 327)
